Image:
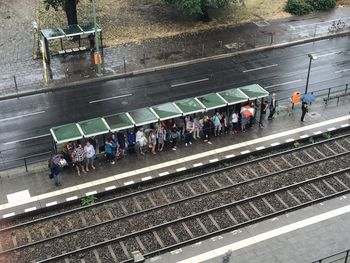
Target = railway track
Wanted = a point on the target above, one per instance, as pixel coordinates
(172, 213)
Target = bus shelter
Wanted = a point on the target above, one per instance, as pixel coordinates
(139, 117)
(80, 31)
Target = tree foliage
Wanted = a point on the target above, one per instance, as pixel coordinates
(200, 7)
(69, 6)
(303, 7)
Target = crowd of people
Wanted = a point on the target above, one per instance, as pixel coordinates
(154, 139)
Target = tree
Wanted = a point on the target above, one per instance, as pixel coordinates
(201, 7)
(69, 6)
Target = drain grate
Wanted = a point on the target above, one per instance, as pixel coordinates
(231, 46)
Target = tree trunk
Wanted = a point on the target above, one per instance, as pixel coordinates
(70, 7)
(205, 16)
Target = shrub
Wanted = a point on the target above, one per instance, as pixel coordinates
(322, 4)
(299, 7)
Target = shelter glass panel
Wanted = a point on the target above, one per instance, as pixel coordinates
(52, 33)
(212, 101)
(254, 91)
(118, 122)
(66, 133)
(167, 111)
(89, 27)
(189, 106)
(72, 30)
(234, 96)
(93, 127)
(143, 116)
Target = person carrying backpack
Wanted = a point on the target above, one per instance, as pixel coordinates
(56, 163)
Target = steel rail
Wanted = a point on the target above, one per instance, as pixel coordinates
(154, 228)
(178, 181)
(173, 203)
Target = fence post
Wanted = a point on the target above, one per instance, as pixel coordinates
(346, 88)
(25, 164)
(347, 256)
(15, 81)
(329, 93)
(124, 64)
(315, 30)
(202, 50)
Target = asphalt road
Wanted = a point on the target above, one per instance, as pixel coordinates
(25, 122)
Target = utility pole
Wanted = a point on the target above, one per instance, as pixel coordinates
(97, 40)
(312, 57)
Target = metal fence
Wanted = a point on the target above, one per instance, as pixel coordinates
(342, 257)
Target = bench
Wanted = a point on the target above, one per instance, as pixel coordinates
(69, 51)
(337, 96)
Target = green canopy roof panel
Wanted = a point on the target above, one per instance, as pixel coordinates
(233, 96)
(167, 111)
(93, 127)
(72, 30)
(254, 91)
(52, 33)
(143, 116)
(212, 101)
(118, 122)
(89, 27)
(189, 106)
(66, 133)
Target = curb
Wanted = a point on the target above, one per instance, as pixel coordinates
(168, 66)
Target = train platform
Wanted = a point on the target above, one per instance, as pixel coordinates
(24, 192)
(302, 236)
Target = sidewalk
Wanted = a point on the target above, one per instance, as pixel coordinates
(16, 53)
(33, 190)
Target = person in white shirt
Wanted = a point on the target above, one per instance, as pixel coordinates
(234, 121)
(89, 156)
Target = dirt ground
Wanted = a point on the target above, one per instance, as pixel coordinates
(125, 21)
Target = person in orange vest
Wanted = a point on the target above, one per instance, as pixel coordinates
(295, 98)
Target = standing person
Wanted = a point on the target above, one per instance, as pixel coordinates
(109, 151)
(131, 141)
(189, 131)
(55, 165)
(223, 122)
(196, 128)
(180, 124)
(160, 138)
(263, 111)
(272, 106)
(114, 144)
(89, 156)
(206, 129)
(304, 110)
(141, 140)
(174, 134)
(153, 136)
(121, 142)
(234, 121)
(217, 124)
(244, 122)
(78, 156)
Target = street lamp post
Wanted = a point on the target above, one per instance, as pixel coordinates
(312, 57)
(97, 39)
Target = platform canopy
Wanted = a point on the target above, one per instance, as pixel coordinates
(190, 106)
(233, 96)
(143, 116)
(212, 101)
(70, 31)
(66, 133)
(167, 111)
(254, 91)
(120, 121)
(147, 115)
(93, 127)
